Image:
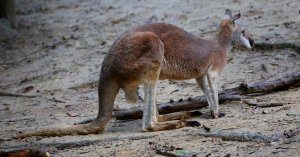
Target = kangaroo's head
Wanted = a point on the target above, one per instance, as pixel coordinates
(239, 35)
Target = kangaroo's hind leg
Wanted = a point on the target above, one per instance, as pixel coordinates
(150, 114)
(152, 121)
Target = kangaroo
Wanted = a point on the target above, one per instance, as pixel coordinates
(152, 52)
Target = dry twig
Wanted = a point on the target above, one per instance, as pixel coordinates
(238, 135)
(262, 105)
(16, 95)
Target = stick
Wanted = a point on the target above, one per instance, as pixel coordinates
(283, 45)
(62, 144)
(28, 96)
(246, 136)
(291, 140)
(165, 153)
(238, 135)
(232, 94)
(170, 154)
(291, 132)
(262, 105)
(17, 119)
(16, 95)
(224, 134)
(55, 100)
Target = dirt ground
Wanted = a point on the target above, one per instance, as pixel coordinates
(58, 53)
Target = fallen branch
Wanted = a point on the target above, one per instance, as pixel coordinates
(62, 144)
(291, 140)
(293, 114)
(171, 154)
(262, 105)
(55, 100)
(265, 86)
(272, 46)
(246, 136)
(224, 134)
(291, 132)
(166, 153)
(16, 95)
(238, 135)
(17, 119)
(232, 94)
(28, 96)
(92, 84)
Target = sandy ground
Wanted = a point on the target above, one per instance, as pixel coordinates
(59, 51)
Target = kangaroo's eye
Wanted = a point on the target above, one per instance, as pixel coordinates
(243, 32)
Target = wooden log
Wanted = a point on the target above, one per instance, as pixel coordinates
(282, 45)
(16, 95)
(189, 104)
(263, 105)
(266, 86)
(75, 142)
(232, 94)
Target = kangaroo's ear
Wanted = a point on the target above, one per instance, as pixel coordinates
(235, 17)
(228, 12)
(227, 15)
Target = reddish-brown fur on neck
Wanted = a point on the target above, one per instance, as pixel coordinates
(225, 23)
